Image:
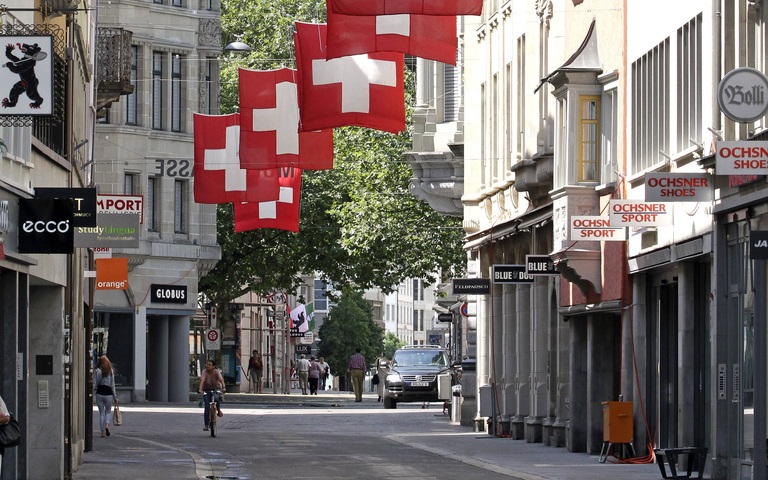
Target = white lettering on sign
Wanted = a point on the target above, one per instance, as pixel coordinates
(168, 293)
(43, 227)
(634, 213)
(595, 229)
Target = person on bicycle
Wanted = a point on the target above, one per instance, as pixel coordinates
(210, 381)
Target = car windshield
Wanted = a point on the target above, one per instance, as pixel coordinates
(409, 358)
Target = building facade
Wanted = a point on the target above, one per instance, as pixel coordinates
(567, 106)
(144, 149)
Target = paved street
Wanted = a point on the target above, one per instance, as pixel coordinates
(324, 437)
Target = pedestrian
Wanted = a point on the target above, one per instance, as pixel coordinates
(382, 369)
(210, 381)
(315, 371)
(104, 392)
(326, 373)
(255, 370)
(302, 366)
(5, 418)
(357, 367)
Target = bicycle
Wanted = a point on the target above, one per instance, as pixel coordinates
(213, 409)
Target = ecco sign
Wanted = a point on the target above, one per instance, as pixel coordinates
(169, 293)
(45, 225)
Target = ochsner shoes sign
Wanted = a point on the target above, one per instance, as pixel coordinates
(45, 226)
(741, 158)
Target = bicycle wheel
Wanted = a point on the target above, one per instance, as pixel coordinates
(212, 420)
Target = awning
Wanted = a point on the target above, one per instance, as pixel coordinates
(539, 217)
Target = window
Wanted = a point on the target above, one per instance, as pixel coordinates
(589, 146)
(152, 203)
(18, 142)
(609, 133)
(208, 92)
(176, 94)
(176, 3)
(483, 139)
(689, 120)
(105, 119)
(321, 298)
(157, 91)
(494, 124)
(561, 142)
(131, 102)
(131, 184)
(452, 94)
(520, 97)
(179, 206)
(650, 107)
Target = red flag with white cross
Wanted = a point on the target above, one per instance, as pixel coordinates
(418, 7)
(218, 176)
(363, 90)
(269, 124)
(425, 36)
(280, 212)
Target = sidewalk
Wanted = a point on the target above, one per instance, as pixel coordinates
(144, 458)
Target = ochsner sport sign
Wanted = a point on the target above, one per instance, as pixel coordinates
(637, 213)
(741, 158)
(595, 228)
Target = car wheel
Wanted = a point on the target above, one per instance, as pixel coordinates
(389, 403)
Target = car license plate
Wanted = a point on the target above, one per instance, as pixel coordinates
(419, 384)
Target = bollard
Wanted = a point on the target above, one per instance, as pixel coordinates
(456, 404)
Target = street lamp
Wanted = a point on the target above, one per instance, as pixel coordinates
(237, 46)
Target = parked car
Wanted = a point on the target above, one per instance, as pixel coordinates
(414, 374)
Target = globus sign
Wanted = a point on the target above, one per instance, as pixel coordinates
(741, 158)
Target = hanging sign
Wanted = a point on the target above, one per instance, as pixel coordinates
(27, 75)
(678, 187)
(540, 265)
(637, 213)
(511, 274)
(741, 158)
(741, 95)
(471, 286)
(596, 228)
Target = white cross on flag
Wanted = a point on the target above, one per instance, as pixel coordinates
(218, 176)
(363, 90)
(269, 124)
(418, 7)
(281, 212)
(425, 36)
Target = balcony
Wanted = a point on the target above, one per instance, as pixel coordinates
(113, 60)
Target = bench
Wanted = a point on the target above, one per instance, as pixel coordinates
(669, 455)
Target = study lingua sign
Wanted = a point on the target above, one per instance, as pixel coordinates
(114, 230)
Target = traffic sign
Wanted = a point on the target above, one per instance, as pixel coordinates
(213, 339)
(465, 309)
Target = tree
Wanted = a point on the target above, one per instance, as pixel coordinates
(391, 343)
(349, 325)
(359, 224)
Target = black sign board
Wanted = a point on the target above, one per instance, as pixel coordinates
(471, 286)
(169, 293)
(45, 226)
(303, 349)
(511, 274)
(758, 245)
(444, 317)
(540, 265)
(84, 200)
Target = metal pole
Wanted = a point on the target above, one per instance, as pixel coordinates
(759, 370)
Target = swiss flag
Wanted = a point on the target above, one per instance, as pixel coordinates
(269, 124)
(423, 36)
(281, 212)
(363, 90)
(218, 176)
(418, 7)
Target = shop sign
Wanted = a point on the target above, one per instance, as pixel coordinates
(758, 245)
(741, 94)
(83, 199)
(540, 265)
(637, 213)
(596, 228)
(112, 274)
(45, 225)
(511, 274)
(305, 349)
(471, 286)
(168, 293)
(678, 187)
(741, 158)
(27, 75)
(112, 230)
(123, 204)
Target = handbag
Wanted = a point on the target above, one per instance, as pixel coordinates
(117, 417)
(10, 434)
(375, 379)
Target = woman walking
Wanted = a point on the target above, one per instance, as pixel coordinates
(104, 393)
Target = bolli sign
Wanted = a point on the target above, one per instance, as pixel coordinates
(741, 95)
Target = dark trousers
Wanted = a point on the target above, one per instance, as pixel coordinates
(313, 385)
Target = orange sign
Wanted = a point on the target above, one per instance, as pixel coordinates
(111, 274)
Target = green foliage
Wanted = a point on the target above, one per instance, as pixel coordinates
(349, 325)
(391, 343)
(359, 224)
